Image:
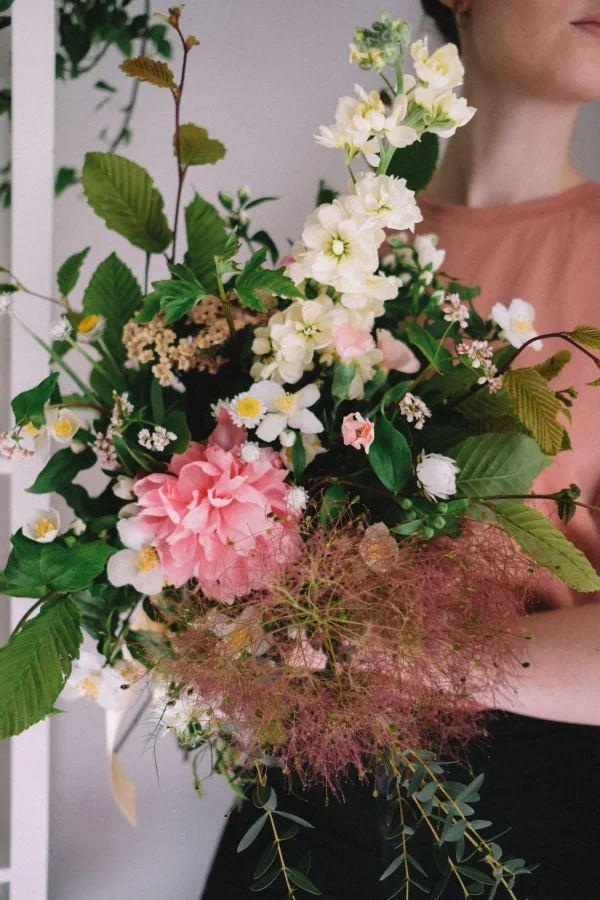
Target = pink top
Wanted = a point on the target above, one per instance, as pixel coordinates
(548, 253)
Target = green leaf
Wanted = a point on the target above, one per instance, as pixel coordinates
(29, 406)
(150, 309)
(5, 99)
(427, 792)
(35, 665)
(114, 293)
(536, 406)
(265, 861)
(196, 148)
(437, 355)
(293, 818)
(61, 469)
(390, 456)
(62, 568)
(252, 833)
(262, 237)
(544, 543)
(298, 457)
(343, 374)
(266, 880)
(587, 336)
(395, 393)
(7, 288)
(417, 162)
(253, 278)
(126, 458)
(207, 238)
(395, 864)
(151, 70)
(492, 464)
(334, 500)
(123, 194)
(258, 201)
(179, 295)
(66, 177)
(476, 875)
(554, 365)
(105, 86)
(177, 423)
(68, 274)
(302, 881)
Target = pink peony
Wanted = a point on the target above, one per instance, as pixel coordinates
(396, 355)
(217, 519)
(358, 432)
(350, 342)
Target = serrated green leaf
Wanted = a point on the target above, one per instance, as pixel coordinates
(61, 469)
(435, 353)
(554, 365)
(253, 278)
(544, 543)
(207, 238)
(417, 162)
(68, 274)
(334, 500)
(196, 148)
(29, 405)
(114, 293)
(302, 881)
(66, 177)
(150, 309)
(587, 336)
(536, 406)
(262, 237)
(252, 833)
(482, 405)
(153, 71)
(123, 194)
(35, 664)
(492, 464)
(178, 296)
(390, 456)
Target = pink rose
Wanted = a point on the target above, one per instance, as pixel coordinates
(350, 342)
(358, 432)
(396, 355)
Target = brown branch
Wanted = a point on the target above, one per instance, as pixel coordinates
(181, 170)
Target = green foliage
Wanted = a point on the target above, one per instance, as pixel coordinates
(252, 833)
(587, 336)
(492, 464)
(332, 505)
(60, 568)
(417, 162)
(554, 365)
(35, 665)
(123, 194)
(390, 456)
(435, 353)
(536, 406)
(114, 293)
(548, 546)
(207, 238)
(29, 406)
(177, 423)
(61, 469)
(68, 274)
(253, 278)
(298, 458)
(153, 71)
(343, 373)
(196, 148)
(325, 194)
(66, 177)
(178, 296)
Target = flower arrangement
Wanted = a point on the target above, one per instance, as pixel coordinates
(304, 468)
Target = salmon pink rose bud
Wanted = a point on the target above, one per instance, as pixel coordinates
(350, 342)
(397, 356)
(358, 432)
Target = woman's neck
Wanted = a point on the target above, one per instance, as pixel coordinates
(512, 151)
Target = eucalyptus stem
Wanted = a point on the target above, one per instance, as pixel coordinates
(263, 781)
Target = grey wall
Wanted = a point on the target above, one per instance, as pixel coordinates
(266, 75)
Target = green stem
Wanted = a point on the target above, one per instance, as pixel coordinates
(226, 305)
(181, 170)
(32, 609)
(147, 273)
(117, 367)
(93, 362)
(389, 85)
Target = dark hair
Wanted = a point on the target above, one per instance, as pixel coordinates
(443, 18)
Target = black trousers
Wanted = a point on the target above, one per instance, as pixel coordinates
(542, 780)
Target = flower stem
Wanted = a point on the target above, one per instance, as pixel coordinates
(181, 170)
(31, 610)
(146, 273)
(263, 781)
(226, 305)
(93, 362)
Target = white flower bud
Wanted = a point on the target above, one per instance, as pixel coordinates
(436, 475)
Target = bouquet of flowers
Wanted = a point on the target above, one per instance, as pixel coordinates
(313, 542)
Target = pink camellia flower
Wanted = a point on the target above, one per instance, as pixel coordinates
(396, 355)
(358, 432)
(350, 342)
(217, 519)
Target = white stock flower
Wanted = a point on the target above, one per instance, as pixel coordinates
(384, 201)
(443, 112)
(440, 70)
(42, 525)
(139, 564)
(62, 425)
(61, 329)
(427, 251)
(296, 499)
(516, 322)
(91, 679)
(436, 475)
(286, 410)
(123, 487)
(378, 289)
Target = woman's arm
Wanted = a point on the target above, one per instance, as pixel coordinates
(562, 680)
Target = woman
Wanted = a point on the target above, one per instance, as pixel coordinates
(515, 217)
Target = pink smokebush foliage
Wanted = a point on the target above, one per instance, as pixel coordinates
(218, 520)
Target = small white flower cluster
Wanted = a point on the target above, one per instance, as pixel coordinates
(103, 444)
(11, 446)
(480, 353)
(157, 440)
(415, 410)
(123, 409)
(455, 311)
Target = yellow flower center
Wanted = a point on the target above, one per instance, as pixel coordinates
(64, 428)
(523, 326)
(248, 407)
(146, 559)
(90, 687)
(286, 404)
(31, 430)
(88, 323)
(43, 526)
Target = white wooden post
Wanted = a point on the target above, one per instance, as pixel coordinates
(33, 30)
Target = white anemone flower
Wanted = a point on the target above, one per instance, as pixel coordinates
(139, 564)
(42, 525)
(442, 69)
(62, 425)
(384, 201)
(91, 679)
(286, 410)
(516, 322)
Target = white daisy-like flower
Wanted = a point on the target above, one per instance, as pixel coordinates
(93, 680)
(516, 322)
(139, 564)
(90, 328)
(42, 525)
(247, 410)
(62, 425)
(296, 499)
(250, 451)
(61, 329)
(286, 410)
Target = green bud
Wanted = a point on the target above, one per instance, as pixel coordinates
(428, 532)
(405, 503)
(438, 522)
(442, 508)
